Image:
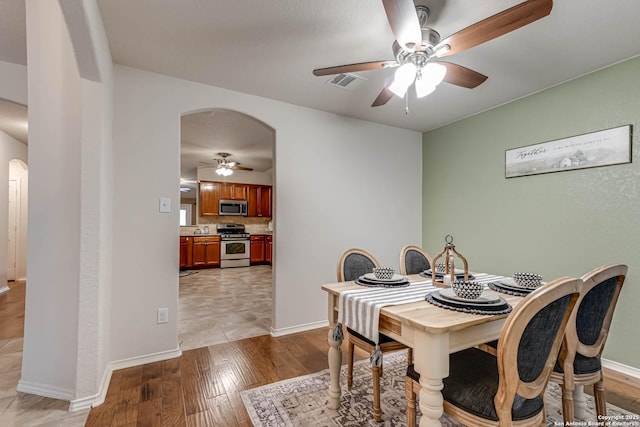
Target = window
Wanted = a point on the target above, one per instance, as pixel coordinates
(185, 215)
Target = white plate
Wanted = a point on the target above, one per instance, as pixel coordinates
(508, 282)
(469, 302)
(485, 297)
(395, 278)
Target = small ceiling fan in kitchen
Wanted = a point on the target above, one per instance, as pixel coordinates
(418, 48)
(226, 167)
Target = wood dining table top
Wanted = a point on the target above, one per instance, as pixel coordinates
(422, 315)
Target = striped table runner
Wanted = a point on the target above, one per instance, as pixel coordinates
(360, 309)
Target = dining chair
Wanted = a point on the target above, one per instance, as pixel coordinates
(579, 361)
(352, 264)
(507, 389)
(413, 260)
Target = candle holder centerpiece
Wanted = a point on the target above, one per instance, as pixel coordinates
(446, 269)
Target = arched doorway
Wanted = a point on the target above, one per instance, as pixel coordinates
(219, 304)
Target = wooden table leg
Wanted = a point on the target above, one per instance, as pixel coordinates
(431, 359)
(335, 361)
(335, 352)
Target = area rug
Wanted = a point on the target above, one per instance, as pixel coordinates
(302, 401)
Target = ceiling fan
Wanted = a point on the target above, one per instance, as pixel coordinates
(418, 47)
(226, 167)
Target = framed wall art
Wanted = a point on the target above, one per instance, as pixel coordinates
(601, 148)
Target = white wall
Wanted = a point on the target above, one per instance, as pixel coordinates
(70, 87)
(331, 173)
(13, 84)
(50, 335)
(243, 177)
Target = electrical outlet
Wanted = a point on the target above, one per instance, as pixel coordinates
(163, 315)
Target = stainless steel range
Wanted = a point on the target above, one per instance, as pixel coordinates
(235, 246)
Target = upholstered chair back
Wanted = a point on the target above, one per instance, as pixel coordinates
(529, 344)
(589, 326)
(414, 260)
(353, 263)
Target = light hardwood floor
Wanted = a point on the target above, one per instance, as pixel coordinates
(200, 388)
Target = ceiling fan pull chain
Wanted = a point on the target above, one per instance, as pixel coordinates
(406, 104)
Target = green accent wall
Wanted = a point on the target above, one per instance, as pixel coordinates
(557, 224)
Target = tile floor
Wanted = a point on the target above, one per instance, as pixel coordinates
(219, 305)
(215, 306)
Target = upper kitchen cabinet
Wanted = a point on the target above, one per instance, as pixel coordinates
(209, 198)
(259, 200)
(233, 191)
(264, 201)
(258, 197)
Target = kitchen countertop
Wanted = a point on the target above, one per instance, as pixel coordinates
(266, 233)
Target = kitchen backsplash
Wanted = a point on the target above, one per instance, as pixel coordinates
(252, 225)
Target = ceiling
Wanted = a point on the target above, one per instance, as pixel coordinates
(269, 48)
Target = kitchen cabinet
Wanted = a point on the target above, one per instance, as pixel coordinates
(264, 201)
(233, 191)
(209, 198)
(259, 200)
(206, 251)
(268, 250)
(258, 249)
(258, 197)
(252, 200)
(186, 252)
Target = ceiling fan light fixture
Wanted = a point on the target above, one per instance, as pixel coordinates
(398, 89)
(423, 88)
(432, 74)
(224, 171)
(403, 77)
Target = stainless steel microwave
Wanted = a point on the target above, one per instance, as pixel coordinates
(232, 207)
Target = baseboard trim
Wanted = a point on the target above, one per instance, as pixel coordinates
(299, 328)
(622, 379)
(99, 398)
(4, 289)
(96, 399)
(148, 358)
(44, 390)
(622, 369)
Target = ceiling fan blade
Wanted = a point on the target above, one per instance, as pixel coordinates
(383, 98)
(495, 26)
(404, 22)
(462, 76)
(208, 164)
(352, 68)
(241, 168)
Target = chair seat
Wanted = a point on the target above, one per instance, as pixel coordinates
(473, 383)
(582, 365)
(382, 339)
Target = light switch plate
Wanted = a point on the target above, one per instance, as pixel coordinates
(165, 204)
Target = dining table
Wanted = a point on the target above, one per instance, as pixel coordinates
(431, 331)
